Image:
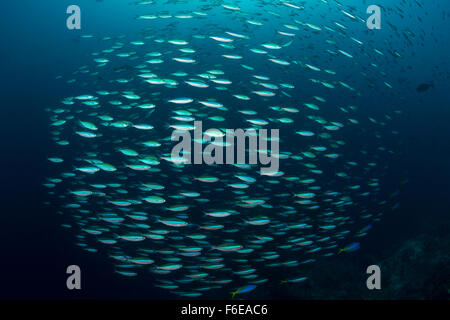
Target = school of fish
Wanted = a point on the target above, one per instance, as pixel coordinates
(230, 64)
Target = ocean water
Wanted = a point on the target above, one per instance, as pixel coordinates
(362, 177)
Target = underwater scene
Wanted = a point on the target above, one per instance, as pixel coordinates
(226, 149)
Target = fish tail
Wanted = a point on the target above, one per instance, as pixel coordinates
(233, 293)
(283, 281)
(340, 250)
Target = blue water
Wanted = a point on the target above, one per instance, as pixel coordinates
(37, 47)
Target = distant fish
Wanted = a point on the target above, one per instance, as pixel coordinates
(425, 86)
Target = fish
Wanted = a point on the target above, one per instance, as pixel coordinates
(425, 86)
(350, 248)
(244, 289)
